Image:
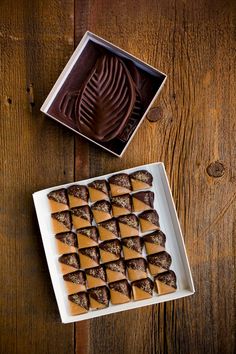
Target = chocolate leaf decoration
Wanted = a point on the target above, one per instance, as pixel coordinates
(106, 100)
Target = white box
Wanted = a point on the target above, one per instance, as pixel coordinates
(169, 224)
(160, 79)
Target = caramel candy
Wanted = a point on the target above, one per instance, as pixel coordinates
(61, 222)
(101, 211)
(119, 184)
(87, 237)
(89, 257)
(95, 277)
(128, 225)
(159, 262)
(120, 292)
(75, 282)
(99, 297)
(166, 282)
(142, 289)
(121, 205)
(115, 270)
(143, 201)
(78, 195)
(69, 262)
(149, 220)
(155, 242)
(132, 247)
(98, 190)
(110, 250)
(141, 180)
(81, 216)
(58, 200)
(136, 269)
(108, 230)
(66, 242)
(79, 303)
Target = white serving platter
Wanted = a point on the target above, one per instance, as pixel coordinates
(169, 224)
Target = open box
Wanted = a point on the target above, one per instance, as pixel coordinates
(169, 224)
(62, 101)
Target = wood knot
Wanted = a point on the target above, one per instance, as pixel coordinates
(216, 169)
(155, 114)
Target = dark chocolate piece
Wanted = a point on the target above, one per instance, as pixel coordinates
(168, 278)
(102, 205)
(151, 216)
(100, 185)
(161, 259)
(145, 285)
(69, 238)
(97, 272)
(145, 197)
(120, 179)
(91, 252)
(80, 299)
(143, 176)
(156, 237)
(100, 295)
(113, 247)
(59, 196)
(63, 217)
(133, 243)
(70, 259)
(137, 264)
(122, 201)
(121, 286)
(116, 266)
(90, 232)
(78, 191)
(77, 277)
(130, 220)
(110, 225)
(83, 212)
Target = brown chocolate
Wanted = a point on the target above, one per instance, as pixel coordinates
(156, 237)
(82, 212)
(77, 277)
(108, 229)
(122, 201)
(91, 252)
(113, 247)
(64, 218)
(130, 220)
(137, 264)
(59, 196)
(120, 179)
(134, 243)
(159, 262)
(168, 278)
(145, 285)
(97, 272)
(90, 232)
(143, 201)
(69, 238)
(121, 286)
(149, 220)
(102, 205)
(116, 266)
(70, 259)
(78, 191)
(101, 297)
(80, 299)
(142, 176)
(100, 185)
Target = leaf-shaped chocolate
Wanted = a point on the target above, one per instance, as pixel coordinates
(106, 100)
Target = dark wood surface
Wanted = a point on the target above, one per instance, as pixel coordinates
(191, 128)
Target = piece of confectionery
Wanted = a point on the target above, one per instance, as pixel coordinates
(136, 269)
(149, 220)
(98, 190)
(132, 247)
(120, 292)
(101, 211)
(95, 277)
(165, 282)
(119, 184)
(142, 289)
(141, 180)
(58, 200)
(87, 237)
(78, 195)
(154, 242)
(128, 225)
(108, 230)
(66, 242)
(89, 257)
(115, 270)
(69, 262)
(110, 250)
(121, 205)
(75, 282)
(159, 262)
(81, 217)
(61, 221)
(142, 201)
(79, 303)
(99, 297)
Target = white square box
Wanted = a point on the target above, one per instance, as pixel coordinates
(74, 67)
(169, 224)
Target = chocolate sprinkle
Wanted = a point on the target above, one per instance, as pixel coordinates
(121, 179)
(69, 238)
(77, 277)
(161, 259)
(145, 285)
(59, 196)
(71, 259)
(97, 272)
(169, 278)
(80, 299)
(78, 191)
(63, 217)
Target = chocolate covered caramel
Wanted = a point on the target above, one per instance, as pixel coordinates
(99, 297)
(132, 247)
(69, 262)
(98, 190)
(120, 292)
(154, 242)
(149, 220)
(119, 184)
(166, 282)
(81, 216)
(143, 201)
(58, 200)
(159, 262)
(79, 303)
(115, 270)
(142, 289)
(128, 225)
(141, 179)
(66, 242)
(136, 269)
(61, 221)
(108, 229)
(78, 195)
(101, 211)
(89, 257)
(87, 237)
(110, 250)
(121, 205)
(95, 276)
(75, 282)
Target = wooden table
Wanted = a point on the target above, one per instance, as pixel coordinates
(191, 129)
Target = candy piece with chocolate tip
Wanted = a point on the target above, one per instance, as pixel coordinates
(155, 242)
(119, 184)
(75, 282)
(143, 201)
(78, 195)
(58, 200)
(110, 250)
(66, 242)
(61, 222)
(87, 237)
(95, 277)
(166, 282)
(149, 220)
(121, 205)
(136, 269)
(141, 180)
(99, 297)
(81, 217)
(101, 211)
(120, 292)
(159, 262)
(98, 190)
(142, 289)
(132, 247)
(115, 270)
(79, 303)
(69, 262)
(108, 230)
(128, 225)
(89, 257)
